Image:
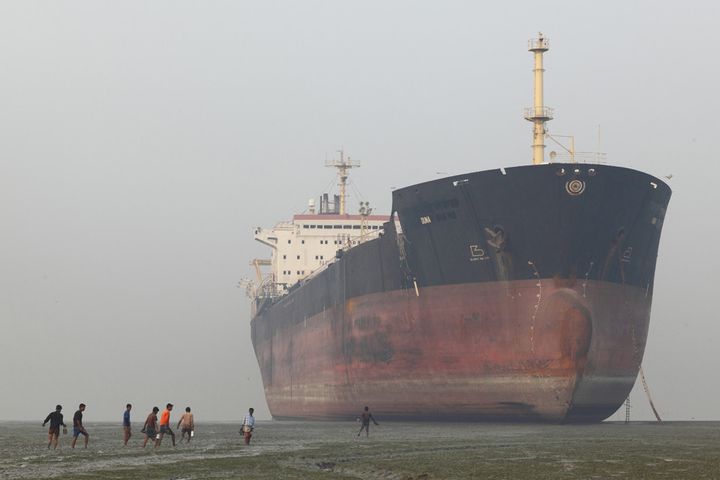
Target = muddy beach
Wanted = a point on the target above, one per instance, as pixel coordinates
(394, 451)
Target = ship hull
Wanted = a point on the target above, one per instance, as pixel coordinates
(463, 352)
(485, 306)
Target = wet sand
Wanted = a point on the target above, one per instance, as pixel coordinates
(401, 451)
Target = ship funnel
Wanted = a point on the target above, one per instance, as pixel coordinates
(311, 206)
(538, 114)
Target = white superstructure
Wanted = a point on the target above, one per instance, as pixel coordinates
(311, 241)
(308, 243)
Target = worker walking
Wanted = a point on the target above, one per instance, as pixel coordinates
(365, 417)
(165, 425)
(248, 425)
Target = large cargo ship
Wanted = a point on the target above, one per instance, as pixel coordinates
(514, 294)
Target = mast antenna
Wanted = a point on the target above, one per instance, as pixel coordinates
(343, 166)
(538, 114)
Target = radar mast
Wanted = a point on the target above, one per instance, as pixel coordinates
(342, 165)
(538, 113)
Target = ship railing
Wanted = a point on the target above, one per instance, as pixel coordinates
(579, 157)
(269, 289)
(314, 273)
(366, 236)
(534, 113)
(347, 242)
(538, 44)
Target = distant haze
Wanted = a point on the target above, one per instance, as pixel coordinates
(141, 142)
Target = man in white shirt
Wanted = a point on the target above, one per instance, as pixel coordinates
(248, 425)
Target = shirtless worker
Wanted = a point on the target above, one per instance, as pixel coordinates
(150, 427)
(56, 419)
(78, 428)
(165, 425)
(365, 417)
(126, 423)
(186, 425)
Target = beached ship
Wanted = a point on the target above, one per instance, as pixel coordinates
(514, 294)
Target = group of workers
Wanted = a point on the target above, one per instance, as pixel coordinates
(156, 430)
(56, 420)
(153, 429)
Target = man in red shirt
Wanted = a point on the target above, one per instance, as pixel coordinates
(165, 425)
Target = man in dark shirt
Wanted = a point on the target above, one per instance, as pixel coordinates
(78, 427)
(126, 423)
(56, 419)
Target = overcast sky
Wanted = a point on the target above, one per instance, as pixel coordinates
(141, 142)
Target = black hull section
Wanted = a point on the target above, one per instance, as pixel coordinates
(566, 221)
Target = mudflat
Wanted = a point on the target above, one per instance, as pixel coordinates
(403, 451)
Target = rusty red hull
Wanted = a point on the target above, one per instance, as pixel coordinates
(523, 350)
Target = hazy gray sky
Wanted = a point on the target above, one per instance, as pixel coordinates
(141, 141)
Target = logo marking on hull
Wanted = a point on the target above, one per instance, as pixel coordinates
(477, 253)
(575, 187)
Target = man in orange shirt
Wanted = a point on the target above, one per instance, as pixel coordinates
(165, 425)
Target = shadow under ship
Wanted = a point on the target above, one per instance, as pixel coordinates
(517, 294)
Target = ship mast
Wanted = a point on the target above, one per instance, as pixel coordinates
(538, 114)
(342, 165)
